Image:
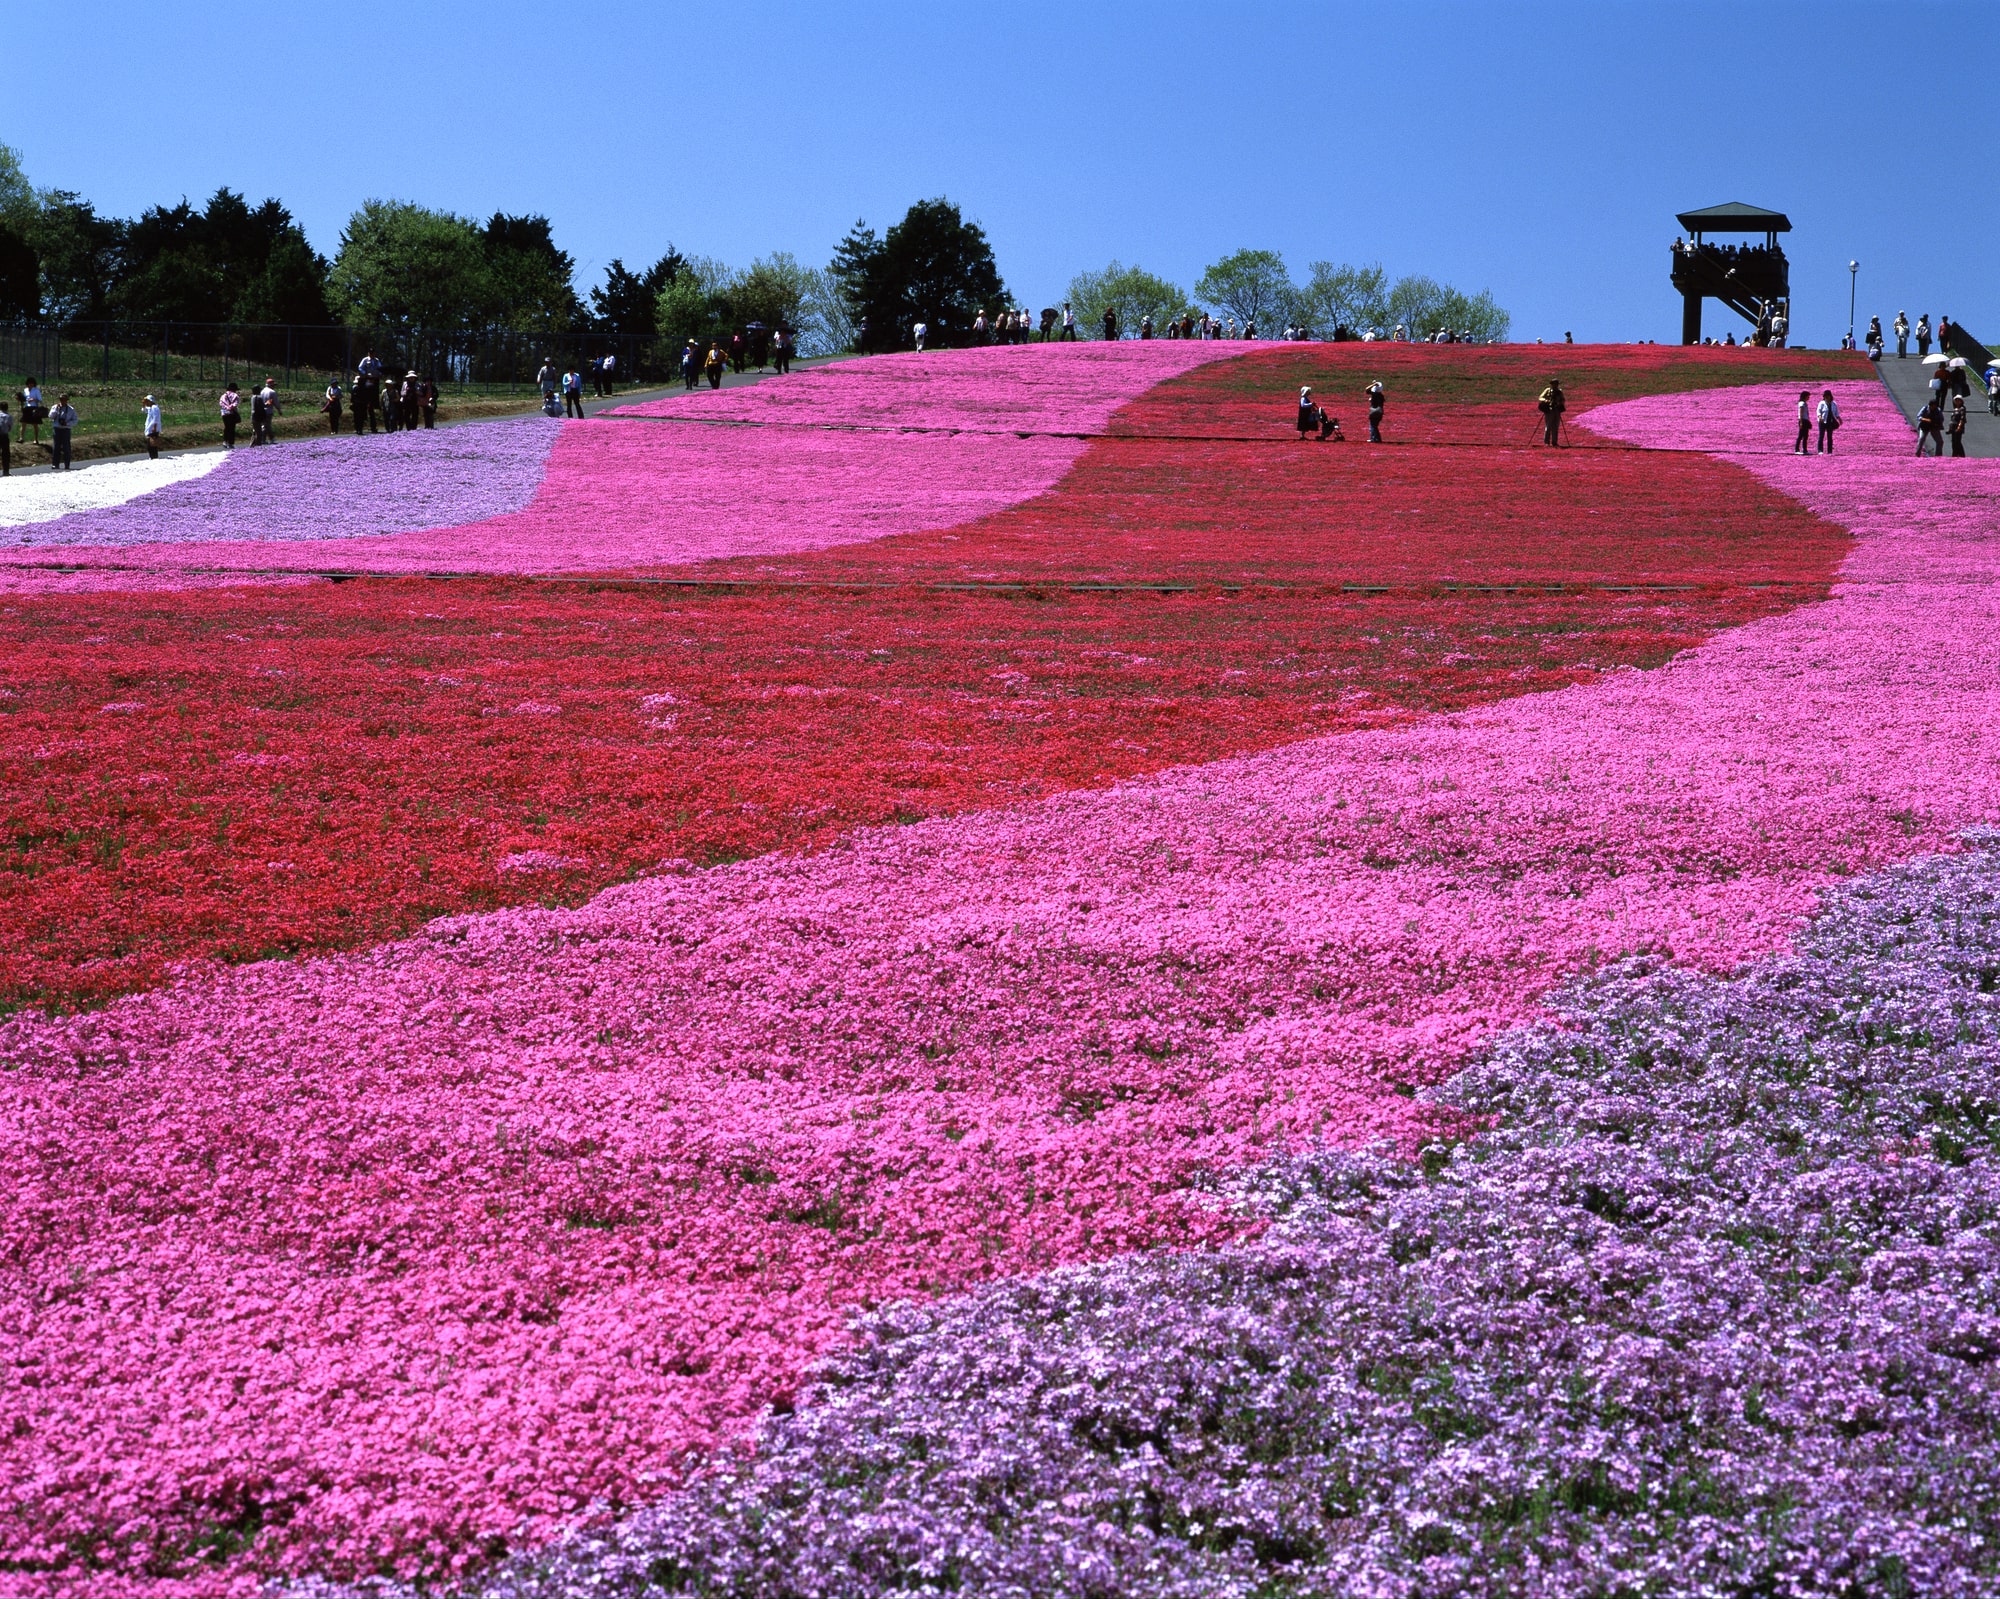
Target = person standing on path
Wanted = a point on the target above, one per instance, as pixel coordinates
(368, 393)
(6, 441)
(573, 394)
(610, 374)
(1923, 333)
(232, 415)
(392, 411)
(1110, 325)
(1068, 323)
(545, 379)
(1378, 402)
(1552, 404)
(1993, 390)
(690, 366)
(1829, 421)
(738, 350)
(31, 407)
(1803, 444)
(714, 365)
(1956, 426)
(1930, 426)
(330, 404)
(61, 420)
(1902, 327)
(919, 331)
(430, 403)
(152, 425)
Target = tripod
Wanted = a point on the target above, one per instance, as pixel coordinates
(1562, 430)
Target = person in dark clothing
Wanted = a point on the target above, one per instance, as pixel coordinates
(331, 406)
(1829, 421)
(1110, 325)
(1552, 404)
(392, 409)
(1930, 427)
(367, 394)
(430, 403)
(1378, 402)
(1956, 426)
(61, 420)
(736, 352)
(6, 441)
(232, 415)
(690, 366)
(1803, 445)
(1308, 411)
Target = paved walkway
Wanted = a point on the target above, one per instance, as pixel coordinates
(591, 406)
(1906, 380)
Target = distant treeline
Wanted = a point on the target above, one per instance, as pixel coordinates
(407, 266)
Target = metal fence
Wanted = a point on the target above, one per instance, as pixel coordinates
(486, 359)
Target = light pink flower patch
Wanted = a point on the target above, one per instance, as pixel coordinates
(628, 492)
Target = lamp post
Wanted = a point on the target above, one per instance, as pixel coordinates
(1853, 271)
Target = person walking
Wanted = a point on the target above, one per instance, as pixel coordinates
(1956, 426)
(690, 366)
(330, 403)
(32, 410)
(61, 421)
(6, 441)
(1110, 325)
(1829, 421)
(232, 415)
(546, 378)
(1993, 390)
(368, 393)
(737, 351)
(919, 331)
(610, 373)
(1902, 330)
(1068, 322)
(573, 394)
(1552, 404)
(1937, 389)
(412, 399)
(1930, 427)
(392, 406)
(781, 350)
(152, 426)
(1308, 411)
(1923, 334)
(1378, 402)
(264, 405)
(1803, 444)
(430, 395)
(715, 365)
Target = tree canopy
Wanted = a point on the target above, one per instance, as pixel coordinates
(404, 265)
(529, 282)
(223, 263)
(629, 301)
(932, 267)
(1250, 285)
(1131, 291)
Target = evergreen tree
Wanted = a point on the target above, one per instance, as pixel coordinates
(932, 267)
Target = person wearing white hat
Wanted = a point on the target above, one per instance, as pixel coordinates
(152, 428)
(1902, 326)
(1378, 401)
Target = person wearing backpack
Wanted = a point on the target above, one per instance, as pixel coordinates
(1829, 421)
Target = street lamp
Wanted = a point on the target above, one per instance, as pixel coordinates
(1853, 269)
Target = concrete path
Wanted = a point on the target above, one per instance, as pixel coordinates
(1906, 382)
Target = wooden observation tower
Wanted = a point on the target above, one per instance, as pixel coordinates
(1748, 278)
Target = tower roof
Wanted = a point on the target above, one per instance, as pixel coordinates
(1735, 217)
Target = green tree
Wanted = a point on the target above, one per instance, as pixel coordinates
(696, 304)
(629, 301)
(825, 326)
(77, 251)
(291, 287)
(404, 265)
(20, 277)
(530, 283)
(932, 267)
(18, 201)
(1250, 285)
(772, 290)
(1342, 296)
(225, 262)
(1132, 292)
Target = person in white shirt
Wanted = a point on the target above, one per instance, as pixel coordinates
(610, 372)
(920, 330)
(1829, 419)
(1068, 323)
(152, 428)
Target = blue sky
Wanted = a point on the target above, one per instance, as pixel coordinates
(1540, 151)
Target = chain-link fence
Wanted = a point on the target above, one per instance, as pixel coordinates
(483, 360)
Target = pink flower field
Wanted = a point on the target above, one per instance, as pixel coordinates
(394, 1260)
